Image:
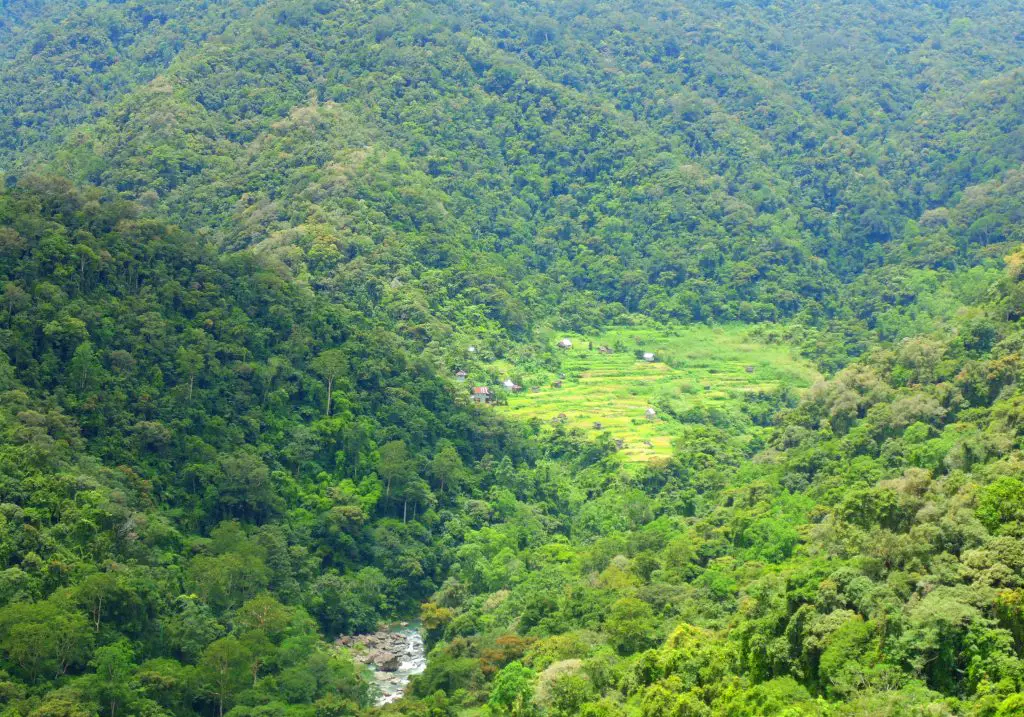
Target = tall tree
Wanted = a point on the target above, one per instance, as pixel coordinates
(330, 364)
(225, 669)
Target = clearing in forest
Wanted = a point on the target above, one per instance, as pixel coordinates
(697, 374)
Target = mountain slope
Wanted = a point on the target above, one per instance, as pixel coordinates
(653, 158)
(245, 245)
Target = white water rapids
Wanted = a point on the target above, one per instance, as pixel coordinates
(414, 661)
(391, 656)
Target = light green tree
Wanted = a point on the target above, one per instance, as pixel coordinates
(113, 684)
(225, 670)
(330, 364)
(512, 692)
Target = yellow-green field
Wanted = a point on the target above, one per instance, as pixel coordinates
(695, 366)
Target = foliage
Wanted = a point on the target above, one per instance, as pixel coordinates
(244, 245)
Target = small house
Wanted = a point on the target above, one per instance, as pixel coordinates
(648, 357)
(480, 394)
(556, 384)
(748, 369)
(559, 419)
(604, 350)
(471, 350)
(565, 344)
(460, 375)
(620, 444)
(511, 385)
(651, 414)
(597, 425)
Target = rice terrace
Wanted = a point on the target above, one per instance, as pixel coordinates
(691, 374)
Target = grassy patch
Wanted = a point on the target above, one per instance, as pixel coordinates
(699, 374)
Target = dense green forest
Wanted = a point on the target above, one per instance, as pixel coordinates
(245, 245)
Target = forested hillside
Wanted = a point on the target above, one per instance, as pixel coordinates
(245, 245)
(690, 162)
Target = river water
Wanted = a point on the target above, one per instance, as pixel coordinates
(392, 685)
(393, 656)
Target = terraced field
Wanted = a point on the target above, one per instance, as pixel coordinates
(707, 369)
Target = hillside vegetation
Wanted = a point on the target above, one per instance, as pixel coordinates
(521, 161)
(246, 245)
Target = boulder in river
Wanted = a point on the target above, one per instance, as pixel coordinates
(388, 661)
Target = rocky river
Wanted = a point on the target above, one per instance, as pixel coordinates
(393, 655)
